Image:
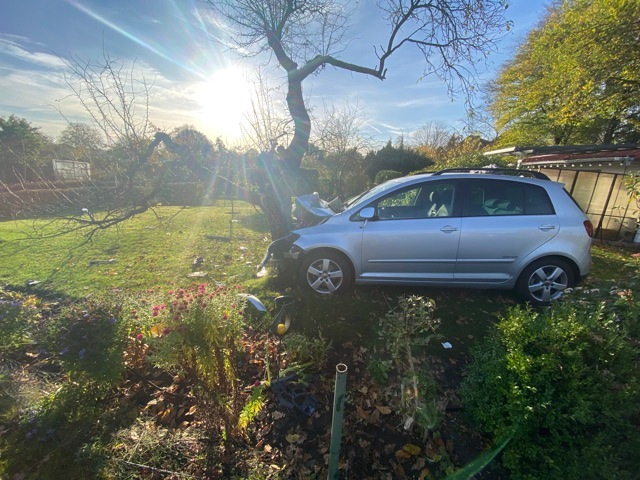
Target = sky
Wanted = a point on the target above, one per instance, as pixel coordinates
(195, 78)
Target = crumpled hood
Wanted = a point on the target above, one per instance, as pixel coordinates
(309, 210)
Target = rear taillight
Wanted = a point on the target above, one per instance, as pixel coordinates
(588, 226)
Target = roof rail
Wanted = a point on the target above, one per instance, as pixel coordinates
(496, 171)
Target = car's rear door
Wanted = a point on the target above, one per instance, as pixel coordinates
(403, 243)
(503, 221)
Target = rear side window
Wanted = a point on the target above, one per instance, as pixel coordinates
(537, 201)
(500, 198)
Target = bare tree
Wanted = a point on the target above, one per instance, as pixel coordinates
(434, 134)
(341, 139)
(116, 98)
(305, 36)
(268, 123)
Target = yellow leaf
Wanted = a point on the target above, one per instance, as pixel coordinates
(383, 409)
(402, 455)
(412, 449)
(293, 438)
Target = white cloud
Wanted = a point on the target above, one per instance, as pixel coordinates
(17, 48)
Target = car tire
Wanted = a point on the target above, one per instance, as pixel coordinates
(545, 280)
(326, 272)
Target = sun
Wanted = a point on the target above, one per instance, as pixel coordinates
(224, 100)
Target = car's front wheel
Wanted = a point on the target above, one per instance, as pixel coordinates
(545, 280)
(326, 272)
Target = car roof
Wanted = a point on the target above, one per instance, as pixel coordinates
(512, 172)
(486, 174)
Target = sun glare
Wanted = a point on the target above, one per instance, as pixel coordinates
(224, 101)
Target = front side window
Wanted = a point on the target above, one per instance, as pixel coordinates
(431, 199)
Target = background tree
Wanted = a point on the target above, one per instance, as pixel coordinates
(431, 140)
(576, 78)
(433, 135)
(116, 98)
(399, 159)
(200, 146)
(80, 142)
(83, 143)
(268, 122)
(21, 148)
(339, 141)
(456, 151)
(465, 152)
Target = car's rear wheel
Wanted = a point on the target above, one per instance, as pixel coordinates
(326, 272)
(545, 280)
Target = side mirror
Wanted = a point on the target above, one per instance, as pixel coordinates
(367, 213)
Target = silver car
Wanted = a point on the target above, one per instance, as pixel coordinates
(479, 229)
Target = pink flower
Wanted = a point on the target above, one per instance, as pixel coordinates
(139, 336)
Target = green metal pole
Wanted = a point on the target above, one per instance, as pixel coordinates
(336, 422)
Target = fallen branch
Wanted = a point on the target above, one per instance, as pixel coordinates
(159, 470)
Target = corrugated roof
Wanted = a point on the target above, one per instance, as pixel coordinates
(628, 155)
(563, 149)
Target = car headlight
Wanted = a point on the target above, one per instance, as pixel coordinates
(295, 252)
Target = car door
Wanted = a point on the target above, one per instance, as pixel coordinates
(403, 243)
(503, 221)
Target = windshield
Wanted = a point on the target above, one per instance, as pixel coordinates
(366, 195)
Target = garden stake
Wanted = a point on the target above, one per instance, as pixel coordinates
(336, 422)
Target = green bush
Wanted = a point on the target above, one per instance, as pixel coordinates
(198, 336)
(384, 175)
(88, 340)
(565, 382)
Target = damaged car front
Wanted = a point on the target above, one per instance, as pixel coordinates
(307, 211)
(324, 236)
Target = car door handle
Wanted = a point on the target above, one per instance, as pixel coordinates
(546, 228)
(448, 229)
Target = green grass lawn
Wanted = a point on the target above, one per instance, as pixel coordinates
(154, 249)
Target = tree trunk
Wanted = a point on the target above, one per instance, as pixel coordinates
(302, 124)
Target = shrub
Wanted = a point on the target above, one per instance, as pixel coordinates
(304, 351)
(197, 335)
(565, 382)
(384, 175)
(88, 339)
(411, 325)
